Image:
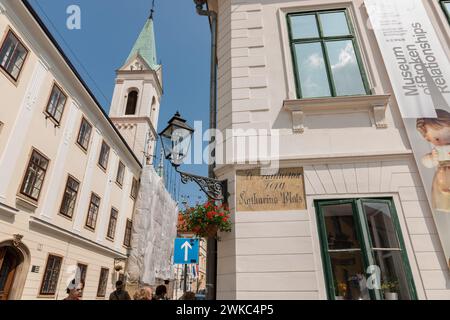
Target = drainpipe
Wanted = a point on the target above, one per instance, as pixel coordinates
(211, 261)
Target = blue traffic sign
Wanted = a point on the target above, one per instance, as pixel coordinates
(186, 251)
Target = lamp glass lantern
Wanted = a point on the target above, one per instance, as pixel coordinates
(176, 140)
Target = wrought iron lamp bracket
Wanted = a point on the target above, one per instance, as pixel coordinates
(214, 189)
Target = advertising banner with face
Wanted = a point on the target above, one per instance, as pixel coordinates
(419, 71)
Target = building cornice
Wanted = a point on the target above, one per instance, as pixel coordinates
(304, 160)
(2, 9)
(134, 120)
(7, 210)
(39, 223)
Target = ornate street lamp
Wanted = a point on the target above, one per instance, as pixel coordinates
(176, 140)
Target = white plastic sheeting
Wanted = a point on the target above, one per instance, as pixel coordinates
(154, 231)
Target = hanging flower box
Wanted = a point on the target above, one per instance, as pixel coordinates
(206, 220)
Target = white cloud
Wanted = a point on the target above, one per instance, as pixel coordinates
(346, 57)
(315, 61)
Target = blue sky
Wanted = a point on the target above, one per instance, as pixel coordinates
(109, 29)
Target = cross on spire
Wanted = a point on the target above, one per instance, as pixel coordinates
(152, 10)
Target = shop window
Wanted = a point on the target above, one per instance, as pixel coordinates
(327, 62)
(82, 269)
(51, 276)
(363, 252)
(102, 283)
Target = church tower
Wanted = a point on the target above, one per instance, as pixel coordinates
(137, 96)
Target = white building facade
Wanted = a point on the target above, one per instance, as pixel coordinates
(69, 175)
(312, 75)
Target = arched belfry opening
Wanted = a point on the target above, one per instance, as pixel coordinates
(132, 100)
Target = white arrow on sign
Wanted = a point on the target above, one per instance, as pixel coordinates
(186, 246)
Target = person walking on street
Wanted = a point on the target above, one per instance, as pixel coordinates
(119, 293)
(189, 295)
(161, 293)
(144, 293)
(74, 290)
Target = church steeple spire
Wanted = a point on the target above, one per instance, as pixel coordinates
(137, 94)
(145, 44)
(152, 10)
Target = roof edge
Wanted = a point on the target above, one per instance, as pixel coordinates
(47, 32)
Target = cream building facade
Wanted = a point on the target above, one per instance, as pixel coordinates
(362, 186)
(69, 174)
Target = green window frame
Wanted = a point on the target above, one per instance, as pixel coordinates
(324, 40)
(364, 236)
(446, 7)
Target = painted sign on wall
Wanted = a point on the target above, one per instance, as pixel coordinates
(278, 192)
(419, 70)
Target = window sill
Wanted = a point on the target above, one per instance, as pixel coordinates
(89, 229)
(26, 202)
(377, 104)
(101, 167)
(48, 116)
(119, 185)
(65, 217)
(85, 151)
(15, 82)
(49, 297)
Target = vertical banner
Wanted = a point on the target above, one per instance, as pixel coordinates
(419, 71)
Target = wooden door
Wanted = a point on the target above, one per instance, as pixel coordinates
(8, 266)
